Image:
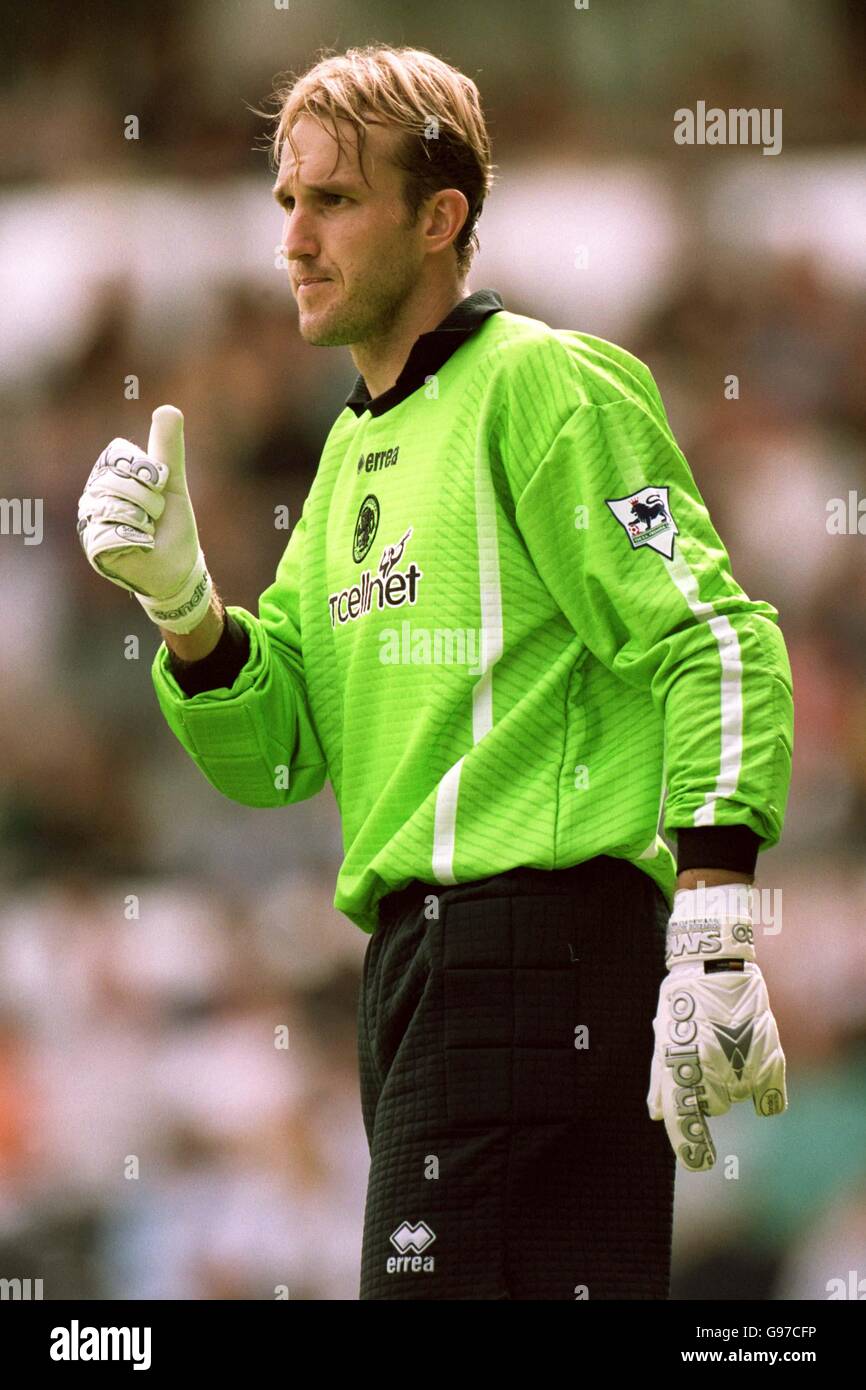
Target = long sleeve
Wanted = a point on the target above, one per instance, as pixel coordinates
(620, 535)
(255, 741)
(222, 666)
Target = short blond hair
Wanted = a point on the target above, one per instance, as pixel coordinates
(438, 108)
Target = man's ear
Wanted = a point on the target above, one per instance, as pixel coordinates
(447, 212)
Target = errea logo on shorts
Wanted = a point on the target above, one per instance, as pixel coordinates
(411, 1238)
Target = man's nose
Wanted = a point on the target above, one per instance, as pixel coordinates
(299, 238)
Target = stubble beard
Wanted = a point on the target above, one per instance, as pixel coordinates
(366, 316)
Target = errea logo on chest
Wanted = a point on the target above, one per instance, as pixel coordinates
(383, 458)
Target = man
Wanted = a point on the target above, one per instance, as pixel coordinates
(505, 628)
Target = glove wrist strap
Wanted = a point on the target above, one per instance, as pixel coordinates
(710, 923)
(183, 610)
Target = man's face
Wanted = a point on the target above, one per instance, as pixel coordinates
(353, 242)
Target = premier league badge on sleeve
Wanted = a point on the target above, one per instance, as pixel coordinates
(647, 519)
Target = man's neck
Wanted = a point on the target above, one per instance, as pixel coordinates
(381, 360)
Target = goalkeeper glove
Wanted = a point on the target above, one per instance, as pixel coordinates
(137, 527)
(716, 1041)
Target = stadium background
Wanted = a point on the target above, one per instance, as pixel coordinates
(152, 1038)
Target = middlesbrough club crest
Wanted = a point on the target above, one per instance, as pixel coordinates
(647, 519)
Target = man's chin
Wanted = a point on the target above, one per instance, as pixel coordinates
(319, 332)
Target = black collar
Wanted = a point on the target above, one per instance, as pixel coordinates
(428, 353)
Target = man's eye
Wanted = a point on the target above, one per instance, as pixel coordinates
(328, 198)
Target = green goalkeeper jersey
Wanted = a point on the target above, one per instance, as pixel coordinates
(505, 629)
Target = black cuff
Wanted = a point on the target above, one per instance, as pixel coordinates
(732, 847)
(221, 667)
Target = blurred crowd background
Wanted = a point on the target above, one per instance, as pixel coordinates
(154, 1141)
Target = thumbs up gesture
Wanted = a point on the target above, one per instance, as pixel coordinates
(137, 527)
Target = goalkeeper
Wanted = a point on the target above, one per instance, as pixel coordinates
(507, 632)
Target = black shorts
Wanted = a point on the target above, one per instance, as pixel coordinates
(505, 1041)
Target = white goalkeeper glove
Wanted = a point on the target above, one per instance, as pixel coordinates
(716, 1041)
(137, 527)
